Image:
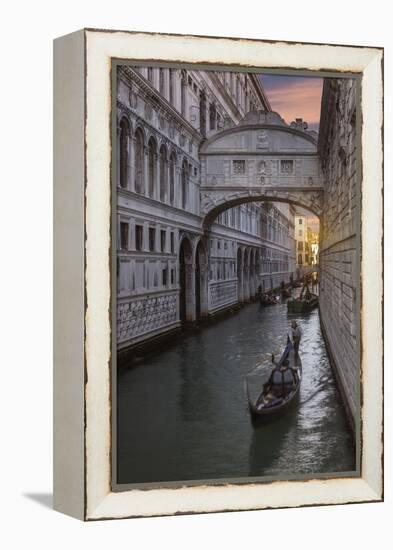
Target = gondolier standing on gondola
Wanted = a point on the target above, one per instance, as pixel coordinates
(296, 336)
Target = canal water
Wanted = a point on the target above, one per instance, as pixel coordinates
(183, 413)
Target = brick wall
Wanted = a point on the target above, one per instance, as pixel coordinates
(339, 291)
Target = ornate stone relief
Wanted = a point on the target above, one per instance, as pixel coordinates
(262, 140)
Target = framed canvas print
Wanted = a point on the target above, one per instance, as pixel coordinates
(218, 274)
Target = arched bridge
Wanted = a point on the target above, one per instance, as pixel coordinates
(260, 159)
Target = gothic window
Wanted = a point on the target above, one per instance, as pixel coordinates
(123, 236)
(163, 173)
(124, 136)
(172, 174)
(202, 113)
(213, 116)
(184, 183)
(139, 161)
(161, 82)
(152, 152)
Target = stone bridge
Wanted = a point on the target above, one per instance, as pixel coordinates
(260, 159)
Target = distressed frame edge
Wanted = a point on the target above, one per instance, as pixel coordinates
(69, 277)
(371, 484)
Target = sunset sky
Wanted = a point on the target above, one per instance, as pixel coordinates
(295, 97)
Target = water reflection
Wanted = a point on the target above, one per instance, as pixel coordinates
(183, 414)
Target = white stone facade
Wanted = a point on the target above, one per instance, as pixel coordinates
(302, 246)
(169, 269)
(338, 254)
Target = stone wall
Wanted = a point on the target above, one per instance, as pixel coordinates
(339, 293)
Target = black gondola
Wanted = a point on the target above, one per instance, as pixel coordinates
(268, 300)
(265, 405)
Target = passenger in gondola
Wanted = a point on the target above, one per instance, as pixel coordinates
(282, 381)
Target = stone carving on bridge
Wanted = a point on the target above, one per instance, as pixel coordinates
(262, 140)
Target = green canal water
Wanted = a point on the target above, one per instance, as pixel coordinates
(183, 413)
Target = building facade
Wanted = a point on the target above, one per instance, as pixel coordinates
(169, 270)
(338, 255)
(302, 244)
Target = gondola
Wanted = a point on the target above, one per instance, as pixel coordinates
(267, 300)
(263, 407)
(302, 305)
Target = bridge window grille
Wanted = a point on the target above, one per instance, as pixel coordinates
(239, 167)
(287, 167)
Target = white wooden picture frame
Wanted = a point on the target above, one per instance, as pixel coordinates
(82, 257)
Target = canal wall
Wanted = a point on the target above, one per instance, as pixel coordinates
(339, 258)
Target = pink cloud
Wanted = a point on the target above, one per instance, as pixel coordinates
(296, 98)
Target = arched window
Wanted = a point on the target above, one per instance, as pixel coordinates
(124, 135)
(152, 152)
(172, 175)
(202, 113)
(213, 116)
(139, 161)
(184, 184)
(163, 173)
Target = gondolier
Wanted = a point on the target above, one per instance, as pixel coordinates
(296, 336)
(280, 387)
